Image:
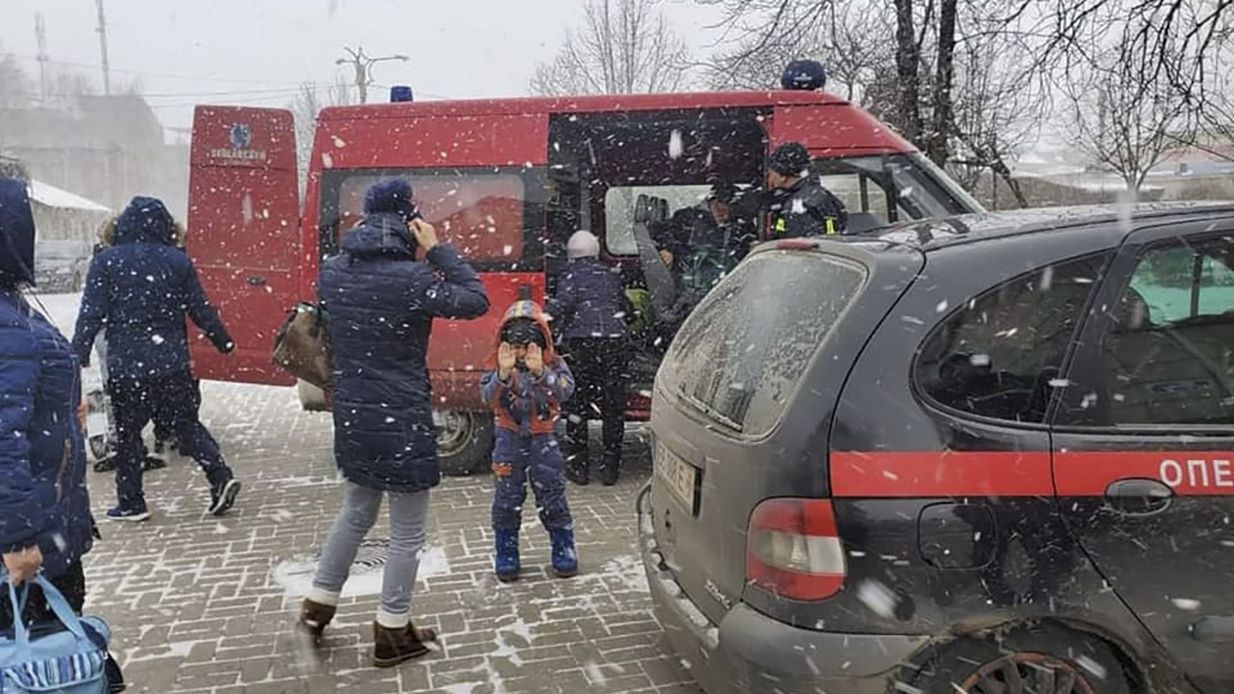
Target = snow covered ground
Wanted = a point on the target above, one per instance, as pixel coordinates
(204, 604)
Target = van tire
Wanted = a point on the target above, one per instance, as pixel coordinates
(464, 441)
(1033, 651)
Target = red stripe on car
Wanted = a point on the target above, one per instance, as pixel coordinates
(876, 474)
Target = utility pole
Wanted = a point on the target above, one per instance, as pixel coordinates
(103, 48)
(40, 33)
(363, 65)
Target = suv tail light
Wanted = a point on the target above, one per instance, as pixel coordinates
(793, 549)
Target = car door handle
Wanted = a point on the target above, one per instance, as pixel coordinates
(257, 280)
(1138, 496)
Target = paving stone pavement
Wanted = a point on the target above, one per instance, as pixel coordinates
(204, 604)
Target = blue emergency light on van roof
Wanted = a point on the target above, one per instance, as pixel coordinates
(400, 93)
(804, 75)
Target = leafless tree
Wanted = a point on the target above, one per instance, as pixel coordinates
(850, 38)
(16, 87)
(912, 93)
(1126, 116)
(623, 47)
(1177, 51)
(946, 73)
(304, 109)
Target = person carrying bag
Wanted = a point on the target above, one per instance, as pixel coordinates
(68, 656)
(302, 346)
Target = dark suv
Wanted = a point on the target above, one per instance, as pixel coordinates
(991, 453)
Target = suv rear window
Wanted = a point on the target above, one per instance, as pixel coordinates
(739, 356)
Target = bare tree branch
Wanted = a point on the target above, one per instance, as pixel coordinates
(623, 47)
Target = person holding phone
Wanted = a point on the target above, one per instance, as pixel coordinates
(381, 304)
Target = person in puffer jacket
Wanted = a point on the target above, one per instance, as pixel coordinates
(381, 304)
(45, 521)
(525, 388)
(141, 289)
(589, 310)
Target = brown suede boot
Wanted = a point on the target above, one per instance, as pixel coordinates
(314, 616)
(393, 646)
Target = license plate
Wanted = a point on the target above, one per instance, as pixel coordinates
(678, 476)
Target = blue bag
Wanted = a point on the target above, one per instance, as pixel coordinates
(69, 661)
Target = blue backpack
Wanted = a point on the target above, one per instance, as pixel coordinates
(70, 661)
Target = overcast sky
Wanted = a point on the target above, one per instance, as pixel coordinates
(257, 51)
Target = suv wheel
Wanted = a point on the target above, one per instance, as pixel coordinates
(1036, 659)
(464, 440)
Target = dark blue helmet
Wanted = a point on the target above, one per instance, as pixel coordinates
(807, 75)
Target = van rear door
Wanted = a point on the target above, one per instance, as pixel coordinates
(242, 233)
(743, 402)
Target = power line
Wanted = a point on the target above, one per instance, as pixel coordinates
(147, 73)
(181, 95)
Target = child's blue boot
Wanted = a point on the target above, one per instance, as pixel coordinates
(565, 559)
(506, 564)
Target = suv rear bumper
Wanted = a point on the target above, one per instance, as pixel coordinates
(749, 651)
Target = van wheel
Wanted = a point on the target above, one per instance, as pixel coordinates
(1036, 659)
(464, 440)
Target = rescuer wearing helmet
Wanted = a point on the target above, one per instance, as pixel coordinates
(799, 206)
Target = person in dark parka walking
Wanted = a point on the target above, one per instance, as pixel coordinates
(141, 289)
(589, 312)
(381, 304)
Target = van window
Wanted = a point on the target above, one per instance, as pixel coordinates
(487, 215)
(1169, 357)
(620, 203)
(999, 355)
(740, 355)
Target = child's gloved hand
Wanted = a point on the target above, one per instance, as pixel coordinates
(535, 359)
(505, 360)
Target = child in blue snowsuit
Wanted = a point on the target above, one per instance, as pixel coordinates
(526, 389)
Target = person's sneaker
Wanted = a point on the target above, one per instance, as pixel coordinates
(223, 496)
(107, 464)
(119, 513)
(152, 463)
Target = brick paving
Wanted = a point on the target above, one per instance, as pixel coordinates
(204, 604)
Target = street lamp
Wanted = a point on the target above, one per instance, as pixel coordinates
(364, 67)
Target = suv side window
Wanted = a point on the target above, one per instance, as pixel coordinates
(999, 355)
(1168, 357)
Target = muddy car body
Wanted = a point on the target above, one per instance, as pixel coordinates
(987, 451)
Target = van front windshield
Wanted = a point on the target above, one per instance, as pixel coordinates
(876, 191)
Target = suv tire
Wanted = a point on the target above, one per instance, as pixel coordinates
(1039, 658)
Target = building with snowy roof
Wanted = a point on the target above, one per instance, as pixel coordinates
(60, 215)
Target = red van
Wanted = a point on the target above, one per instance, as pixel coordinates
(507, 181)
